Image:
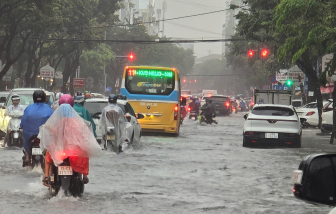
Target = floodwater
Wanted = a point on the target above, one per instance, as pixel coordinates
(204, 170)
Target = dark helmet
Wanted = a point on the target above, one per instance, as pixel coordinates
(79, 99)
(209, 100)
(79, 93)
(112, 98)
(66, 99)
(39, 96)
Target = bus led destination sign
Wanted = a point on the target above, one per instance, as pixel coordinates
(150, 73)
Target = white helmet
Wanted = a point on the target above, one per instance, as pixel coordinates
(15, 97)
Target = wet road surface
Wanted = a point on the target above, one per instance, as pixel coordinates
(204, 170)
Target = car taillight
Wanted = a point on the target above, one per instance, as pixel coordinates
(250, 133)
(227, 104)
(310, 113)
(189, 109)
(176, 112)
(128, 118)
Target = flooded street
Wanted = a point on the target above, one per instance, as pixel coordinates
(204, 170)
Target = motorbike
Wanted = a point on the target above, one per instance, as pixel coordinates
(202, 118)
(235, 110)
(63, 176)
(14, 136)
(36, 155)
(110, 137)
(183, 113)
(192, 113)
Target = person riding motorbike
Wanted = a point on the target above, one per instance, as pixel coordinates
(79, 93)
(119, 123)
(34, 116)
(65, 134)
(235, 105)
(48, 101)
(14, 107)
(55, 105)
(209, 112)
(242, 105)
(198, 102)
(87, 96)
(194, 106)
(83, 112)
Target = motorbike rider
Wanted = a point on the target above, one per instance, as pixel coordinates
(194, 106)
(48, 101)
(242, 105)
(235, 105)
(55, 105)
(198, 102)
(67, 132)
(209, 112)
(15, 106)
(105, 122)
(83, 112)
(34, 116)
(87, 96)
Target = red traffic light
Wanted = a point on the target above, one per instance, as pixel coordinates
(264, 53)
(250, 53)
(131, 56)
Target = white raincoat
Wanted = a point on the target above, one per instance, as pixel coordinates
(66, 134)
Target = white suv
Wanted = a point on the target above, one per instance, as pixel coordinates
(272, 125)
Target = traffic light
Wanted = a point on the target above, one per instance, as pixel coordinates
(289, 82)
(264, 53)
(131, 56)
(250, 53)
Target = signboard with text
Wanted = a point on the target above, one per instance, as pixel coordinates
(79, 82)
(47, 72)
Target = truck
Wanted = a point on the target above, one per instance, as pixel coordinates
(282, 97)
(209, 93)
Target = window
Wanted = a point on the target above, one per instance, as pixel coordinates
(146, 81)
(219, 99)
(25, 99)
(272, 111)
(95, 108)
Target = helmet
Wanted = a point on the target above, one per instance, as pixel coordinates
(112, 98)
(210, 100)
(79, 93)
(58, 95)
(39, 96)
(15, 97)
(66, 99)
(79, 99)
(87, 95)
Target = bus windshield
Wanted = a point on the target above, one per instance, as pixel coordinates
(149, 81)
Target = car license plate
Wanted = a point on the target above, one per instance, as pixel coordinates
(64, 170)
(271, 135)
(110, 137)
(296, 177)
(16, 135)
(36, 151)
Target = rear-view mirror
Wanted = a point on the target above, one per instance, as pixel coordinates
(315, 180)
(140, 116)
(245, 116)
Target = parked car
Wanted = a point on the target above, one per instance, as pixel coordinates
(327, 122)
(272, 125)
(96, 105)
(328, 106)
(222, 104)
(310, 113)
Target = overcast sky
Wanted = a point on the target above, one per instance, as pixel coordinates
(206, 26)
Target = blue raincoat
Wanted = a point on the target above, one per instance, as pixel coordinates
(34, 116)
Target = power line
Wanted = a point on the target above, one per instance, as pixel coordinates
(128, 25)
(156, 41)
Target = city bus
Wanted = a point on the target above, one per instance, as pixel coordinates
(154, 92)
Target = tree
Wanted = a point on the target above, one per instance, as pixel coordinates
(310, 36)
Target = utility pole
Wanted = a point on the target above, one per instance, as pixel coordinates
(164, 9)
(104, 75)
